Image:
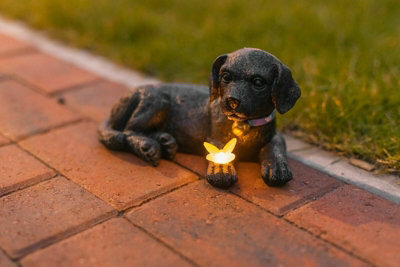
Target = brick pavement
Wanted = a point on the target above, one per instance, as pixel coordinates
(65, 200)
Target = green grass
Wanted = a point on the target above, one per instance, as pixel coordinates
(344, 54)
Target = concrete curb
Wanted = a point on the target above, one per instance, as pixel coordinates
(383, 185)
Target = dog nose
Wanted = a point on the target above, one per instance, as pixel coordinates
(232, 102)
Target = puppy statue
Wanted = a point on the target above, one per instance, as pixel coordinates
(246, 88)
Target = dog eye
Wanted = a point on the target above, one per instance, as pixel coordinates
(226, 77)
(258, 82)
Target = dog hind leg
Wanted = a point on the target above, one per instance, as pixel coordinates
(110, 138)
(144, 129)
(110, 132)
(136, 125)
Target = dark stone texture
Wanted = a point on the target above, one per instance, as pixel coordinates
(245, 85)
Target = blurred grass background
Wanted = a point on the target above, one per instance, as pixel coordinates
(344, 54)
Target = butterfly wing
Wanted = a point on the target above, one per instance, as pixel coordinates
(228, 148)
(211, 148)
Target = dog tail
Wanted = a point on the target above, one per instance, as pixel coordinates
(110, 138)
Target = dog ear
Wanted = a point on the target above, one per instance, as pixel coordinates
(214, 77)
(285, 90)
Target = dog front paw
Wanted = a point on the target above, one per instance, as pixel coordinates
(146, 148)
(221, 175)
(276, 173)
(168, 144)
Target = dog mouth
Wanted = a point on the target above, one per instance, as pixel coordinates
(236, 116)
(240, 117)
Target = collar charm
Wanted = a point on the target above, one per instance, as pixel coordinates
(240, 128)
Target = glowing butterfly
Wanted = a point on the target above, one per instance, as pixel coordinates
(222, 156)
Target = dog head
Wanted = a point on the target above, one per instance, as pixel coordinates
(251, 83)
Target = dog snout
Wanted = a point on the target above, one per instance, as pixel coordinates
(232, 102)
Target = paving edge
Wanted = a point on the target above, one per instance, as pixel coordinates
(383, 185)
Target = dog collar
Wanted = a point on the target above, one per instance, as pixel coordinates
(262, 121)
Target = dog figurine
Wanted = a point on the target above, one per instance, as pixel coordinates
(246, 88)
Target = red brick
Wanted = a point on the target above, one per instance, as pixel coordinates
(49, 74)
(307, 183)
(215, 228)
(95, 100)
(3, 141)
(24, 112)
(5, 261)
(113, 243)
(119, 178)
(19, 169)
(356, 220)
(9, 45)
(44, 213)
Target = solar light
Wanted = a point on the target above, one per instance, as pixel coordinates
(222, 156)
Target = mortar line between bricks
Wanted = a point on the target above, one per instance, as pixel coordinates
(128, 209)
(49, 241)
(76, 89)
(7, 144)
(29, 185)
(293, 206)
(306, 201)
(163, 243)
(70, 232)
(318, 237)
(55, 127)
(58, 173)
(80, 86)
(201, 177)
(17, 78)
(77, 231)
(121, 213)
(7, 255)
